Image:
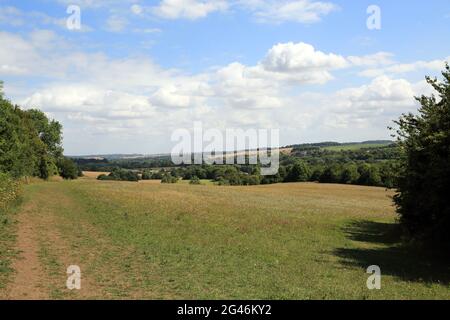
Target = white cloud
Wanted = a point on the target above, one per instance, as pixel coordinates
(273, 11)
(13, 16)
(136, 9)
(300, 11)
(190, 94)
(382, 91)
(83, 99)
(188, 9)
(113, 98)
(242, 88)
(402, 68)
(116, 23)
(298, 57)
(377, 59)
(93, 4)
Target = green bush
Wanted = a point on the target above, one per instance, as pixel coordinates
(157, 175)
(250, 180)
(146, 175)
(168, 178)
(195, 180)
(120, 175)
(68, 169)
(10, 191)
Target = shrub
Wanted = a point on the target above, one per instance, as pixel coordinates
(120, 175)
(251, 180)
(104, 177)
(168, 178)
(195, 180)
(68, 169)
(157, 175)
(10, 191)
(146, 175)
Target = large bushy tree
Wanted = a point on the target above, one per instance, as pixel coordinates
(68, 169)
(30, 143)
(300, 172)
(424, 183)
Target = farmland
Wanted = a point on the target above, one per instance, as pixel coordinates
(156, 241)
(356, 146)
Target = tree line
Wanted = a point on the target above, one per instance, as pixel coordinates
(375, 174)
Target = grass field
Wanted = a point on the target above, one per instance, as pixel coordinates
(356, 146)
(150, 240)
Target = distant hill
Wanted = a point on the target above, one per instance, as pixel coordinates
(328, 145)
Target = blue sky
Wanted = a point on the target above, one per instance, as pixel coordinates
(137, 70)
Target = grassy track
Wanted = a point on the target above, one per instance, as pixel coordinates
(287, 241)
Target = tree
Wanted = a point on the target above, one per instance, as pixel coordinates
(122, 175)
(369, 175)
(30, 143)
(49, 131)
(299, 172)
(424, 179)
(330, 175)
(350, 174)
(388, 173)
(315, 176)
(67, 169)
(20, 146)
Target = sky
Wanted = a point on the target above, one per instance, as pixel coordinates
(135, 71)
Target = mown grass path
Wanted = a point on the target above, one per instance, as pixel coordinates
(153, 241)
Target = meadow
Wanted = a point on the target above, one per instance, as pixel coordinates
(149, 240)
(356, 146)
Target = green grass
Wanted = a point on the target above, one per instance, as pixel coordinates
(286, 241)
(356, 146)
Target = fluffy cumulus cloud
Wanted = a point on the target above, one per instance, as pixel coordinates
(382, 92)
(302, 62)
(372, 105)
(115, 98)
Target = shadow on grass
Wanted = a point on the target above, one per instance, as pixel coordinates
(393, 257)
